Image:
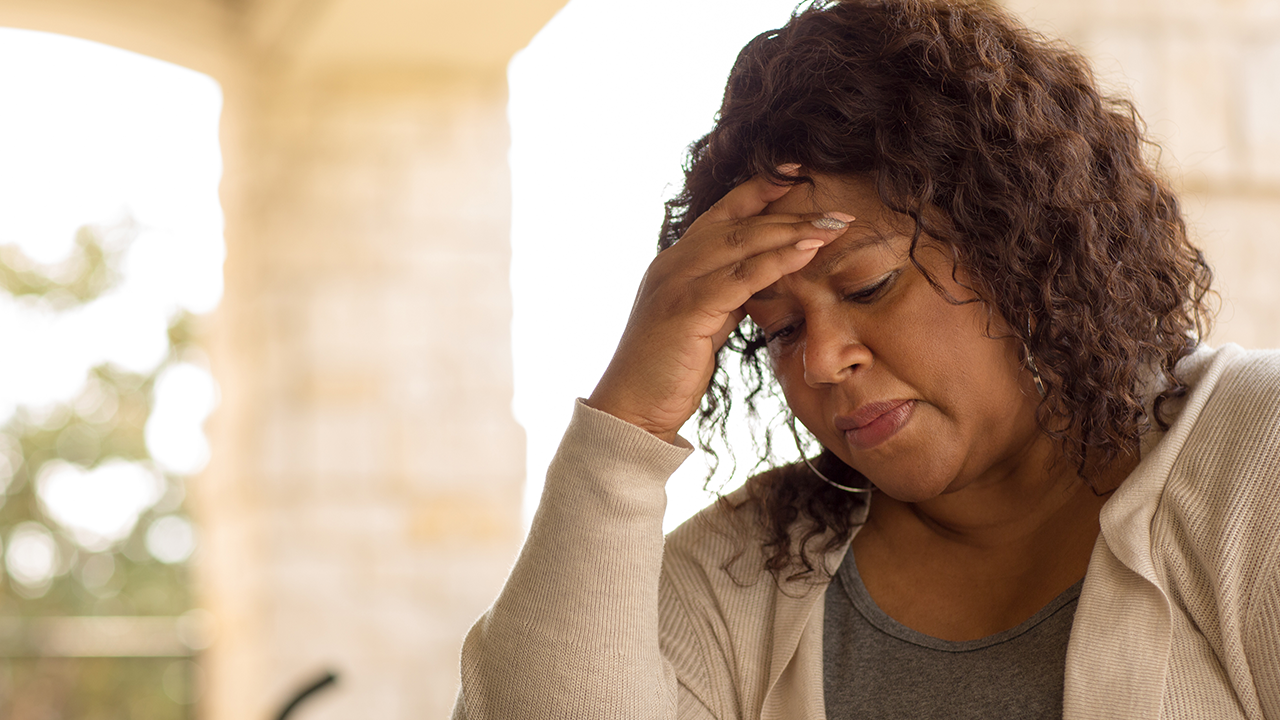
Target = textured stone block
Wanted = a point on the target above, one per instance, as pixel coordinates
(371, 318)
(1260, 77)
(1200, 87)
(1241, 237)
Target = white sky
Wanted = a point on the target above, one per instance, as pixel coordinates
(89, 131)
(604, 102)
(91, 134)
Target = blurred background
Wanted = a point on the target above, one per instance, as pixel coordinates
(296, 296)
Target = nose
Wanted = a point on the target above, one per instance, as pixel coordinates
(833, 351)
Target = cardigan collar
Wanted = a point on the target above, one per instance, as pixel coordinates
(1124, 566)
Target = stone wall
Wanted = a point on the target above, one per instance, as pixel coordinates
(363, 504)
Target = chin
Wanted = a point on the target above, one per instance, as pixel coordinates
(915, 480)
(920, 489)
(910, 493)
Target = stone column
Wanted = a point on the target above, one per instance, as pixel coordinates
(363, 503)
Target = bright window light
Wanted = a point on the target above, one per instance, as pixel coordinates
(171, 539)
(99, 507)
(94, 135)
(31, 556)
(185, 394)
(597, 145)
(128, 145)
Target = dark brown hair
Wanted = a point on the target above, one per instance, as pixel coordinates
(1047, 200)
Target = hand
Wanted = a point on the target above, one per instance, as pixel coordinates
(691, 298)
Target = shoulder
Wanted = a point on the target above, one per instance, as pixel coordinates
(1221, 501)
(1251, 380)
(1231, 371)
(1235, 399)
(1230, 392)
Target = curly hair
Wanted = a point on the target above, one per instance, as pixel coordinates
(998, 143)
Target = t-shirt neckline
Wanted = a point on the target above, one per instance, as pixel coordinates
(850, 581)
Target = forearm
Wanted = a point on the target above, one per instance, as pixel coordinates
(574, 632)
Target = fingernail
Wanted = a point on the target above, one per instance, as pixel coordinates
(829, 223)
(789, 168)
(842, 216)
(804, 245)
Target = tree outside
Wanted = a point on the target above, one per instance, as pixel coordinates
(96, 611)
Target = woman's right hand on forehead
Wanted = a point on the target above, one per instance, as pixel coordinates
(691, 298)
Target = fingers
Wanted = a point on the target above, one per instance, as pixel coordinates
(691, 300)
(710, 247)
(748, 199)
(732, 251)
(729, 287)
(730, 323)
(737, 222)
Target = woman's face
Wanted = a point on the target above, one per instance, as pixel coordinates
(900, 382)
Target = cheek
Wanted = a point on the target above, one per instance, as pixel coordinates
(787, 365)
(788, 373)
(979, 384)
(780, 359)
(944, 351)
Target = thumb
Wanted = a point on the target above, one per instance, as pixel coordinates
(730, 322)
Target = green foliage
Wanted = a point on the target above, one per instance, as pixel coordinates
(92, 268)
(104, 422)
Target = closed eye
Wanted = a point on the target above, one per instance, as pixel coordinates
(783, 333)
(863, 296)
(870, 293)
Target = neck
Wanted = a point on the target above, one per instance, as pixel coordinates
(986, 555)
(1019, 499)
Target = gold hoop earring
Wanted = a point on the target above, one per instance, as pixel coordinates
(791, 423)
(1029, 362)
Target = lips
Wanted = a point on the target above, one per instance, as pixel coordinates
(874, 423)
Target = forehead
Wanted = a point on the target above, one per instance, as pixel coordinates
(875, 226)
(852, 194)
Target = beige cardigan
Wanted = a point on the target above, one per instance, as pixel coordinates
(1179, 616)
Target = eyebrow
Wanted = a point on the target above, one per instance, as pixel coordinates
(841, 250)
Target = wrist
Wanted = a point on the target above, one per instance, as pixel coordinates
(605, 405)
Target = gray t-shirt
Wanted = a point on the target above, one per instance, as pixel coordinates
(877, 668)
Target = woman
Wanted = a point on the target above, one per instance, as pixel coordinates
(1037, 496)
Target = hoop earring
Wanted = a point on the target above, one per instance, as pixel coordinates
(791, 423)
(1030, 362)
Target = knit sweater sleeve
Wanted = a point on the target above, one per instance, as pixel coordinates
(1262, 638)
(574, 632)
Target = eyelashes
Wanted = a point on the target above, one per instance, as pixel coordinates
(861, 296)
(782, 333)
(871, 292)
